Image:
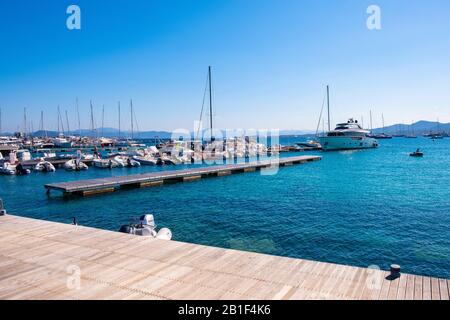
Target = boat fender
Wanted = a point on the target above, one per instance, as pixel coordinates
(164, 234)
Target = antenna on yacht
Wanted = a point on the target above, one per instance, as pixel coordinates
(328, 107)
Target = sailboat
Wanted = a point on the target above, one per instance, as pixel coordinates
(411, 134)
(382, 135)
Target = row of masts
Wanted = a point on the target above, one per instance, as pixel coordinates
(64, 126)
(28, 127)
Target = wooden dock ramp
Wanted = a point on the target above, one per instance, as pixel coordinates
(48, 260)
(111, 184)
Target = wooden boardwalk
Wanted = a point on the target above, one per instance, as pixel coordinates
(111, 184)
(47, 260)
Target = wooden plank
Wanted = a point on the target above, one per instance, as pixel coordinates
(151, 184)
(385, 287)
(393, 289)
(401, 292)
(435, 292)
(426, 288)
(224, 173)
(88, 193)
(191, 178)
(418, 288)
(444, 289)
(409, 295)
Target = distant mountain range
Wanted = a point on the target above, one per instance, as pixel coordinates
(419, 128)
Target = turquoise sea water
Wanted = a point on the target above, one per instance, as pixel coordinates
(372, 207)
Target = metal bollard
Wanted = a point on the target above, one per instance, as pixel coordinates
(395, 271)
(2, 209)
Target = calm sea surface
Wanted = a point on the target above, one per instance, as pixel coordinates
(372, 207)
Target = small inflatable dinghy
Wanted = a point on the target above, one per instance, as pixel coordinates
(147, 228)
(416, 153)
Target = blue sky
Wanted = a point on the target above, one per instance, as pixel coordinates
(271, 61)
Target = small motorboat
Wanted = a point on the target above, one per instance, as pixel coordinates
(44, 166)
(105, 163)
(309, 144)
(131, 163)
(21, 171)
(75, 165)
(416, 153)
(169, 160)
(146, 160)
(7, 169)
(146, 227)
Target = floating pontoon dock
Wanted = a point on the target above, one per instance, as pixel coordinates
(48, 260)
(107, 185)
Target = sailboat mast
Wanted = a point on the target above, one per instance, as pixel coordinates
(132, 125)
(25, 121)
(382, 119)
(103, 119)
(67, 121)
(78, 114)
(328, 107)
(92, 118)
(119, 119)
(371, 126)
(0, 120)
(210, 103)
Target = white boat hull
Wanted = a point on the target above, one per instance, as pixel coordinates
(347, 143)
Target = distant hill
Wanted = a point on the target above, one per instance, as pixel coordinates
(114, 133)
(419, 128)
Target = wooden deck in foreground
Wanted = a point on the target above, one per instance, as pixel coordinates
(47, 260)
(111, 184)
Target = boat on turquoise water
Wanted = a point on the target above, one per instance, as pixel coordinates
(309, 144)
(417, 153)
(146, 160)
(44, 166)
(347, 136)
(75, 165)
(380, 136)
(126, 161)
(146, 227)
(7, 169)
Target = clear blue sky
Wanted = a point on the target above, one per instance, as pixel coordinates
(271, 61)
